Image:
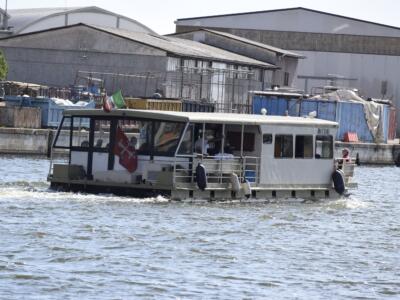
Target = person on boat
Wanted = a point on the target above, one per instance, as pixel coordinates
(346, 155)
(133, 142)
(201, 147)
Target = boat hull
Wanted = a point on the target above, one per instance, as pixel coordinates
(211, 194)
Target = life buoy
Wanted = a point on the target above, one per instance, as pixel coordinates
(235, 182)
(338, 182)
(246, 188)
(201, 177)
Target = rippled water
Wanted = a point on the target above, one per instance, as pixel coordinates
(65, 246)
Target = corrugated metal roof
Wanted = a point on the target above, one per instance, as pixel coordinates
(183, 47)
(250, 42)
(201, 117)
(23, 18)
(257, 44)
(288, 9)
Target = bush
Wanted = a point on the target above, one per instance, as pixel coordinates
(3, 66)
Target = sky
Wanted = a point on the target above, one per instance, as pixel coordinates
(160, 15)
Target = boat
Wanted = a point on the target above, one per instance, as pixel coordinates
(194, 155)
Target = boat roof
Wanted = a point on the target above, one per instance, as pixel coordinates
(202, 117)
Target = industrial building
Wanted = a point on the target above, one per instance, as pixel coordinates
(338, 49)
(140, 63)
(286, 61)
(20, 21)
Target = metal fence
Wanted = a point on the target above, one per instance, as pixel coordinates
(226, 89)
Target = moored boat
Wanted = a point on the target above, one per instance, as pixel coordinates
(213, 156)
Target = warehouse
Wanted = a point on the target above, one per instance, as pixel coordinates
(352, 52)
(19, 21)
(140, 63)
(287, 61)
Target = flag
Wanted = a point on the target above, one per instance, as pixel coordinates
(125, 152)
(118, 100)
(107, 106)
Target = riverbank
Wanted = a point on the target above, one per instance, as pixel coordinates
(38, 142)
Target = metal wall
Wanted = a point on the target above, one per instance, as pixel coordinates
(301, 20)
(351, 118)
(371, 71)
(349, 115)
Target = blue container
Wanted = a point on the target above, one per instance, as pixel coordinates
(307, 106)
(294, 107)
(250, 175)
(326, 110)
(50, 111)
(275, 106)
(351, 118)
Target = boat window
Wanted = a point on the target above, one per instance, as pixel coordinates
(283, 146)
(101, 134)
(267, 138)
(144, 142)
(63, 135)
(166, 137)
(304, 146)
(80, 134)
(323, 146)
(234, 140)
(187, 142)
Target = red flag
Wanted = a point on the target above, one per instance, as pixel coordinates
(106, 104)
(126, 152)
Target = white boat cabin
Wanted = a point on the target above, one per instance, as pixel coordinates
(145, 153)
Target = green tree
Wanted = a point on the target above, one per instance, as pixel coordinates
(3, 66)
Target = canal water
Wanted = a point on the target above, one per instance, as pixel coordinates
(64, 246)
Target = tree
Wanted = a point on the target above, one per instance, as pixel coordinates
(3, 66)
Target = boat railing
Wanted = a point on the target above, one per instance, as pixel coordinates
(219, 169)
(347, 165)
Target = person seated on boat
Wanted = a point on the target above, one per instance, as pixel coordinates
(200, 146)
(228, 154)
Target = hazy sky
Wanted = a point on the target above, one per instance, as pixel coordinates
(160, 15)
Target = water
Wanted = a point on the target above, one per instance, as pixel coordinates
(65, 246)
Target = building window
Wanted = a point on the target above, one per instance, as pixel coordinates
(286, 79)
(283, 146)
(323, 146)
(173, 64)
(304, 146)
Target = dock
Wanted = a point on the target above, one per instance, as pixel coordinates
(27, 141)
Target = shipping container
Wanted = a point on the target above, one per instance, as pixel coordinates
(153, 104)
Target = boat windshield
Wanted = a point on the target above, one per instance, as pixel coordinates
(148, 137)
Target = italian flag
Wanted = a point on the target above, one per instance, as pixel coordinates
(116, 100)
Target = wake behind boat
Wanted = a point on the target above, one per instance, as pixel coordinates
(185, 155)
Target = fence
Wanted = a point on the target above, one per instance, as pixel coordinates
(227, 90)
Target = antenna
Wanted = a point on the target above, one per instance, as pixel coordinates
(5, 20)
